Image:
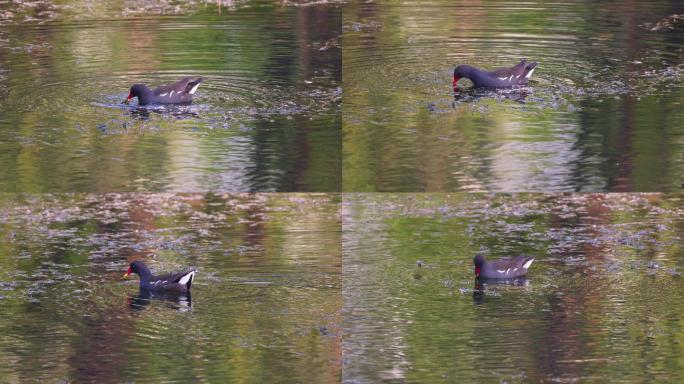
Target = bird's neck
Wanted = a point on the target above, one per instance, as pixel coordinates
(146, 91)
(470, 71)
(144, 273)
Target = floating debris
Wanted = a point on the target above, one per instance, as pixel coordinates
(668, 22)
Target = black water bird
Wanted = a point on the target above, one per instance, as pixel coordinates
(173, 282)
(177, 93)
(506, 268)
(498, 78)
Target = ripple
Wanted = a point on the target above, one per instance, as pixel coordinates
(553, 135)
(270, 97)
(69, 250)
(595, 254)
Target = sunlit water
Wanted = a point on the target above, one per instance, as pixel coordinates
(266, 117)
(264, 306)
(603, 111)
(602, 301)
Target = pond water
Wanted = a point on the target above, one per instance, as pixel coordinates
(265, 304)
(266, 117)
(602, 301)
(603, 111)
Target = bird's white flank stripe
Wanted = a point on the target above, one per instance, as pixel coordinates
(530, 73)
(188, 277)
(164, 94)
(501, 270)
(527, 265)
(192, 91)
(503, 78)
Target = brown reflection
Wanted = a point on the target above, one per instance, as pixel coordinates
(574, 310)
(141, 43)
(255, 231)
(624, 180)
(141, 220)
(99, 352)
(315, 27)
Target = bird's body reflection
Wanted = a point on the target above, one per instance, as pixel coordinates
(178, 112)
(175, 300)
(474, 94)
(481, 284)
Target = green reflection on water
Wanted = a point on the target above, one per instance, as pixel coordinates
(601, 302)
(264, 307)
(265, 119)
(602, 113)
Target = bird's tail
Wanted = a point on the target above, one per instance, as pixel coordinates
(529, 260)
(192, 86)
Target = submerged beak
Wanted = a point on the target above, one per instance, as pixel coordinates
(128, 100)
(127, 273)
(477, 271)
(456, 79)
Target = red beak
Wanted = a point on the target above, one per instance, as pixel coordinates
(477, 271)
(128, 99)
(128, 272)
(456, 79)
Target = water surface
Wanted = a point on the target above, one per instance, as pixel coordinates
(265, 304)
(603, 111)
(266, 117)
(602, 302)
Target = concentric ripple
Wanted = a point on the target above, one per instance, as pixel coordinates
(269, 101)
(601, 110)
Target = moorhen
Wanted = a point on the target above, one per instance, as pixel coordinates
(178, 93)
(498, 78)
(174, 282)
(506, 268)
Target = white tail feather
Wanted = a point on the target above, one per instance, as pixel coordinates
(528, 263)
(192, 91)
(530, 73)
(188, 277)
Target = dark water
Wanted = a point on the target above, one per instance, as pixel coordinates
(265, 306)
(603, 111)
(266, 117)
(602, 302)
